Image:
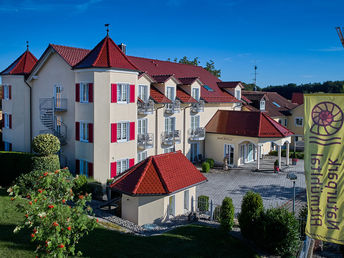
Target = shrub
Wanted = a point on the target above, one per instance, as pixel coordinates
(280, 235)
(273, 153)
(46, 144)
(85, 185)
(205, 167)
(211, 162)
(227, 214)
(50, 162)
(13, 164)
(251, 209)
(57, 218)
(217, 212)
(203, 203)
(276, 163)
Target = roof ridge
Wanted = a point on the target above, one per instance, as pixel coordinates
(68, 46)
(274, 125)
(148, 162)
(158, 172)
(124, 55)
(100, 50)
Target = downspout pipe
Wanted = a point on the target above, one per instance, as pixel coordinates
(157, 128)
(184, 128)
(30, 112)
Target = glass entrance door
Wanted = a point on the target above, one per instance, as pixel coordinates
(229, 153)
(194, 152)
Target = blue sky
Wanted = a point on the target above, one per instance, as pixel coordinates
(289, 40)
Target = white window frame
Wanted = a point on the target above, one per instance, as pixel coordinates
(6, 120)
(142, 155)
(84, 90)
(195, 121)
(173, 97)
(262, 105)
(237, 94)
(123, 93)
(7, 146)
(84, 135)
(142, 126)
(170, 126)
(122, 165)
(298, 118)
(6, 92)
(143, 93)
(195, 95)
(121, 135)
(83, 167)
(169, 149)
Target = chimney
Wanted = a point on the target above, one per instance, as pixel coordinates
(123, 47)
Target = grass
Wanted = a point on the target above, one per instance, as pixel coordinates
(187, 241)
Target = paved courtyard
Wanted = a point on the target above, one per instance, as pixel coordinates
(275, 189)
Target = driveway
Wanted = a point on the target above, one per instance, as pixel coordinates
(275, 189)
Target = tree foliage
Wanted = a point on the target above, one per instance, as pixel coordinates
(227, 214)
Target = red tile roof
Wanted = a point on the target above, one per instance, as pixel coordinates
(188, 80)
(297, 97)
(230, 84)
(159, 175)
(106, 54)
(156, 67)
(184, 97)
(162, 78)
(71, 55)
(243, 123)
(22, 65)
(157, 96)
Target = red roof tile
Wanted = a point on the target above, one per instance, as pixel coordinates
(297, 97)
(106, 54)
(157, 96)
(230, 84)
(159, 175)
(71, 55)
(162, 78)
(188, 80)
(184, 97)
(156, 67)
(22, 65)
(244, 123)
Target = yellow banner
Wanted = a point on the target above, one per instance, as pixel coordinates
(324, 166)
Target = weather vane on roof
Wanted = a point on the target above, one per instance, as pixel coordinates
(27, 45)
(107, 29)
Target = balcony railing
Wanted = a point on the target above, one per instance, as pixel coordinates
(196, 134)
(60, 104)
(173, 108)
(170, 138)
(197, 107)
(145, 141)
(145, 108)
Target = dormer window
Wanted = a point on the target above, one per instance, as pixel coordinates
(238, 94)
(170, 93)
(262, 105)
(195, 94)
(143, 93)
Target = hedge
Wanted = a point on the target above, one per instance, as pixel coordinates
(50, 162)
(299, 155)
(14, 164)
(227, 214)
(211, 162)
(205, 167)
(203, 203)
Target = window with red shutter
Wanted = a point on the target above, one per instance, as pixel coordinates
(90, 169)
(132, 131)
(114, 132)
(77, 131)
(131, 162)
(113, 168)
(132, 93)
(10, 121)
(90, 132)
(77, 167)
(77, 92)
(113, 93)
(90, 92)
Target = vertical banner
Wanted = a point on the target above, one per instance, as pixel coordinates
(324, 166)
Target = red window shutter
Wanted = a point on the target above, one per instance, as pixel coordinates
(113, 93)
(132, 93)
(114, 132)
(77, 167)
(10, 121)
(131, 162)
(90, 169)
(90, 132)
(132, 131)
(10, 92)
(77, 131)
(113, 169)
(90, 92)
(77, 92)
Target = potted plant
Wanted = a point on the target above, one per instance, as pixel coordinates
(293, 159)
(276, 166)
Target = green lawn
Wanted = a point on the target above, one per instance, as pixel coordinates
(188, 241)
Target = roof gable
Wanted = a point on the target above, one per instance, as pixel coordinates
(71, 55)
(22, 65)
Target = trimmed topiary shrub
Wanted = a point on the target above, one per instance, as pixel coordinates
(217, 213)
(50, 162)
(211, 162)
(251, 209)
(46, 144)
(227, 214)
(203, 203)
(205, 167)
(280, 234)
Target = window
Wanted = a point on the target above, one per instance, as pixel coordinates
(195, 93)
(84, 92)
(83, 132)
(170, 93)
(7, 146)
(207, 88)
(122, 92)
(6, 92)
(280, 121)
(195, 122)
(276, 104)
(122, 165)
(122, 131)
(262, 105)
(238, 94)
(6, 120)
(285, 122)
(299, 121)
(142, 126)
(141, 155)
(170, 149)
(83, 167)
(143, 92)
(186, 199)
(170, 124)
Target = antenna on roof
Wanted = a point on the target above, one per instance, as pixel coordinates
(27, 45)
(255, 78)
(107, 29)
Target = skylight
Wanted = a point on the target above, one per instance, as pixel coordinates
(208, 88)
(276, 104)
